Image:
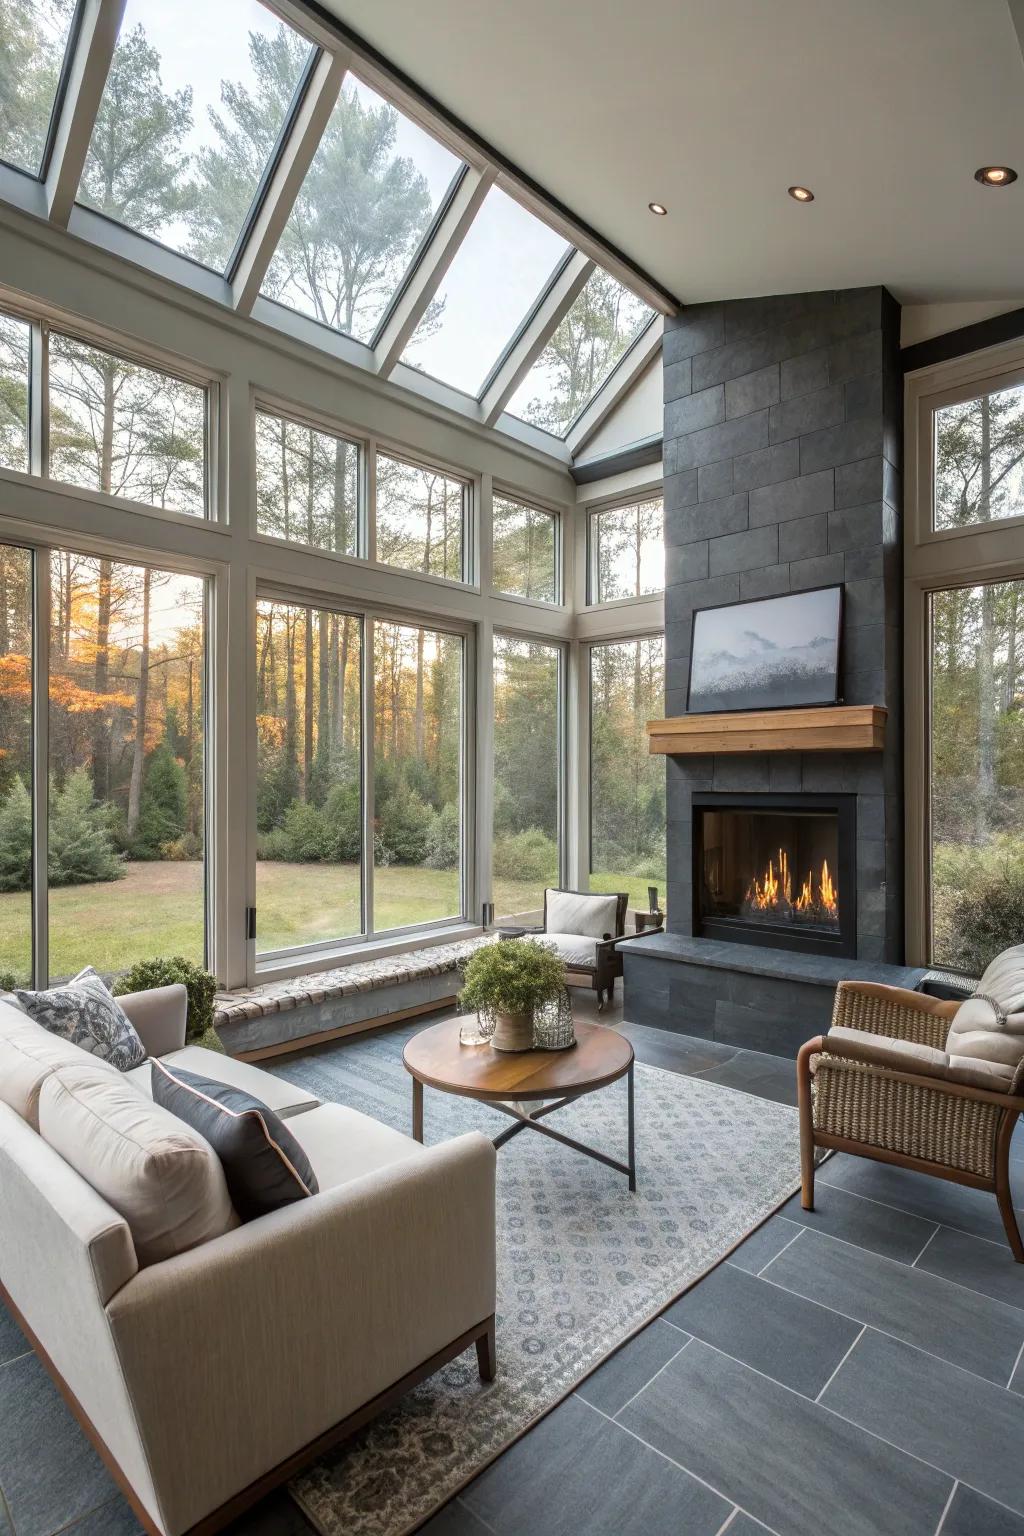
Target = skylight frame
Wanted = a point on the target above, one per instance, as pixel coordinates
(71, 47)
(335, 52)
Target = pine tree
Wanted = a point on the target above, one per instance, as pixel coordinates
(16, 839)
(164, 810)
(81, 847)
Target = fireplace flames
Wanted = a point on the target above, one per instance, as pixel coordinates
(818, 899)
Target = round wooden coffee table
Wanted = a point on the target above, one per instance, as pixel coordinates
(504, 1079)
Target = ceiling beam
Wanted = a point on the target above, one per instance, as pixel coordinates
(619, 382)
(535, 335)
(429, 268)
(301, 140)
(88, 68)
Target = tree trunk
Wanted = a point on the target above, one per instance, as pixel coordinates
(307, 710)
(141, 699)
(341, 509)
(986, 667)
(323, 724)
(101, 730)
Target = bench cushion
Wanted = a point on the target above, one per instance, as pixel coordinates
(280, 1096)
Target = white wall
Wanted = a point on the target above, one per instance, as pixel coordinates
(919, 322)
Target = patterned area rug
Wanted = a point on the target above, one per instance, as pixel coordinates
(582, 1264)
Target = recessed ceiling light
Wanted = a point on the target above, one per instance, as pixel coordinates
(658, 208)
(801, 194)
(995, 175)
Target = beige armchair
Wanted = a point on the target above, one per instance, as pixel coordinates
(886, 1083)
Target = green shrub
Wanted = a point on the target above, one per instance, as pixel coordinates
(526, 856)
(403, 826)
(343, 819)
(443, 842)
(8, 981)
(986, 915)
(512, 976)
(16, 839)
(81, 841)
(198, 983)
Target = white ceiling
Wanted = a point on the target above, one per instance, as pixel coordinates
(885, 108)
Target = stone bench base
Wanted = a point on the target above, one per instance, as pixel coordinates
(282, 1016)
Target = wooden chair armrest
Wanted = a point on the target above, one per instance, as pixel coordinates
(893, 1011)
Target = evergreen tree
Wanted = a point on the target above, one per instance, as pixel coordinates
(81, 847)
(164, 809)
(16, 839)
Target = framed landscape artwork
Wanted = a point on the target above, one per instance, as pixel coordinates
(768, 653)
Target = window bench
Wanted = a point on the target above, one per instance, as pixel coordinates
(280, 1016)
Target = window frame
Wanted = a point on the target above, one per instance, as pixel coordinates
(531, 504)
(262, 404)
(594, 512)
(980, 554)
(294, 959)
(563, 648)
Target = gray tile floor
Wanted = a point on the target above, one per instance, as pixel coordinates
(858, 1371)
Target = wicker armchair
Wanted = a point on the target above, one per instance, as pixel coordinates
(866, 1102)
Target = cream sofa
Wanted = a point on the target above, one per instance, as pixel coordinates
(205, 1379)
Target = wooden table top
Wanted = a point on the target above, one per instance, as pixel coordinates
(436, 1057)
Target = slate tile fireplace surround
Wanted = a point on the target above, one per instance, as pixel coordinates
(782, 452)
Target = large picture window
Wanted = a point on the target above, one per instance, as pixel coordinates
(977, 772)
(15, 767)
(627, 785)
(627, 551)
(119, 427)
(417, 781)
(126, 745)
(307, 485)
(14, 377)
(528, 762)
(421, 516)
(309, 776)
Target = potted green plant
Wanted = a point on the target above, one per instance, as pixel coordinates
(511, 980)
(200, 985)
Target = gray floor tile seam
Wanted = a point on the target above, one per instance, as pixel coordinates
(982, 1295)
(460, 1501)
(876, 1328)
(14, 1359)
(993, 1242)
(730, 1519)
(835, 1414)
(949, 1506)
(833, 1374)
(687, 1341)
(726, 1497)
(931, 1238)
(1015, 1365)
(798, 1233)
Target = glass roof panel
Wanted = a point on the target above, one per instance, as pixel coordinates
(499, 272)
(33, 40)
(598, 328)
(192, 110)
(371, 194)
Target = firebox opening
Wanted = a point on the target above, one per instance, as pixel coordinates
(774, 874)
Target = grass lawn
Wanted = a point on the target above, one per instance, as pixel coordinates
(157, 909)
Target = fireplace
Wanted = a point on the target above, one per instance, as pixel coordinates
(776, 870)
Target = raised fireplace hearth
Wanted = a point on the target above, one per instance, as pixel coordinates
(777, 870)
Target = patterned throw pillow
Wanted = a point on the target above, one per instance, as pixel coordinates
(84, 1012)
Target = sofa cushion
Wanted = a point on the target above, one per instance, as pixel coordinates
(155, 1171)
(263, 1163)
(572, 949)
(342, 1144)
(28, 1054)
(84, 1012)
(278, 1095)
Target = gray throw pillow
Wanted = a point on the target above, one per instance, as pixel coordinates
(85, 1012)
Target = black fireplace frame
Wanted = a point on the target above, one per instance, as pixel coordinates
(766, 935)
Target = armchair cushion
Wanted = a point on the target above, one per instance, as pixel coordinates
(572, 948)
(1004, 980)
(922, 1060)
(579, 912)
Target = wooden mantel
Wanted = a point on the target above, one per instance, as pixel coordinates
(837, 728)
